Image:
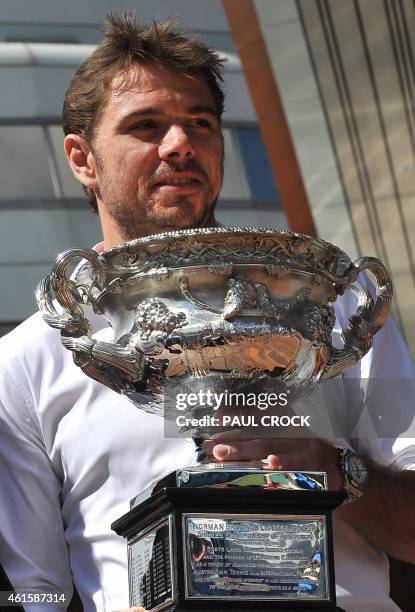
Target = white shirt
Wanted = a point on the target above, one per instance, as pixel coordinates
(73, 453)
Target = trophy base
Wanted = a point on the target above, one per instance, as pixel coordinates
(220, 548)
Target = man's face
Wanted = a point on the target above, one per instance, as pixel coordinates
(158, 154)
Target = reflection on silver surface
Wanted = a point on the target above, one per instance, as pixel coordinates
(150, 567)
(255, 557)
(240, 475)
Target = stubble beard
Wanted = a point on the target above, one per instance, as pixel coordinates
(135, 218)
(181, 215)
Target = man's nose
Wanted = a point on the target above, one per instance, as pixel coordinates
(176, 145)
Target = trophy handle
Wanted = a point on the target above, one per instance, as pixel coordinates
(369, 317)
(57, 287)
(114, 366)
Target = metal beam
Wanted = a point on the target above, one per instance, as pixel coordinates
(252, 49)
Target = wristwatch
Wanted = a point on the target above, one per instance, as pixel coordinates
(354, 472)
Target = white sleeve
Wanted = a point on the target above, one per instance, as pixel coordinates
(32, 543)
(387, 373)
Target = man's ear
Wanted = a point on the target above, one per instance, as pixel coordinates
(81, 160)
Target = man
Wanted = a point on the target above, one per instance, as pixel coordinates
(142, 119)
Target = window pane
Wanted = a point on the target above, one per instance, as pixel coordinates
(235, 185)
(71, 188)
(23, 262)
(257, 166)
(24, 169)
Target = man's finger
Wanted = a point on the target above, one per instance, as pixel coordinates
(241, 450)
(230, 447)
(293, 462)
(234, 434)
(226, 437)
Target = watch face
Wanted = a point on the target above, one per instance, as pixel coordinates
(357, 470)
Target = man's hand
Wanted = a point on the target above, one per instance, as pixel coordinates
(384, 514)
(297, 454)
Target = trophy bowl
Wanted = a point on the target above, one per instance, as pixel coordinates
(228, 302)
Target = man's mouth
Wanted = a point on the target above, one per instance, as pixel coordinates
(179, 181)
(179, 184)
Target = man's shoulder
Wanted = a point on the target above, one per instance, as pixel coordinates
(30, 337)
(31, 329)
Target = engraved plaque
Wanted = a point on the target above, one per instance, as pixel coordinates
(150, 567)
(255, 557)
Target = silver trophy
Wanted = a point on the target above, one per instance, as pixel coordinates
(216, 308)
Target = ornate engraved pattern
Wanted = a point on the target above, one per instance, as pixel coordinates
(241, 294)
(153, 315)
(219, 249)
(314, 321)
(270, 313)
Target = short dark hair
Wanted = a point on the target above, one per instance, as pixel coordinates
(127, 43)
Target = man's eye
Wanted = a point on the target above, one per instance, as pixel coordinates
(201, 123)
(149, 124)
